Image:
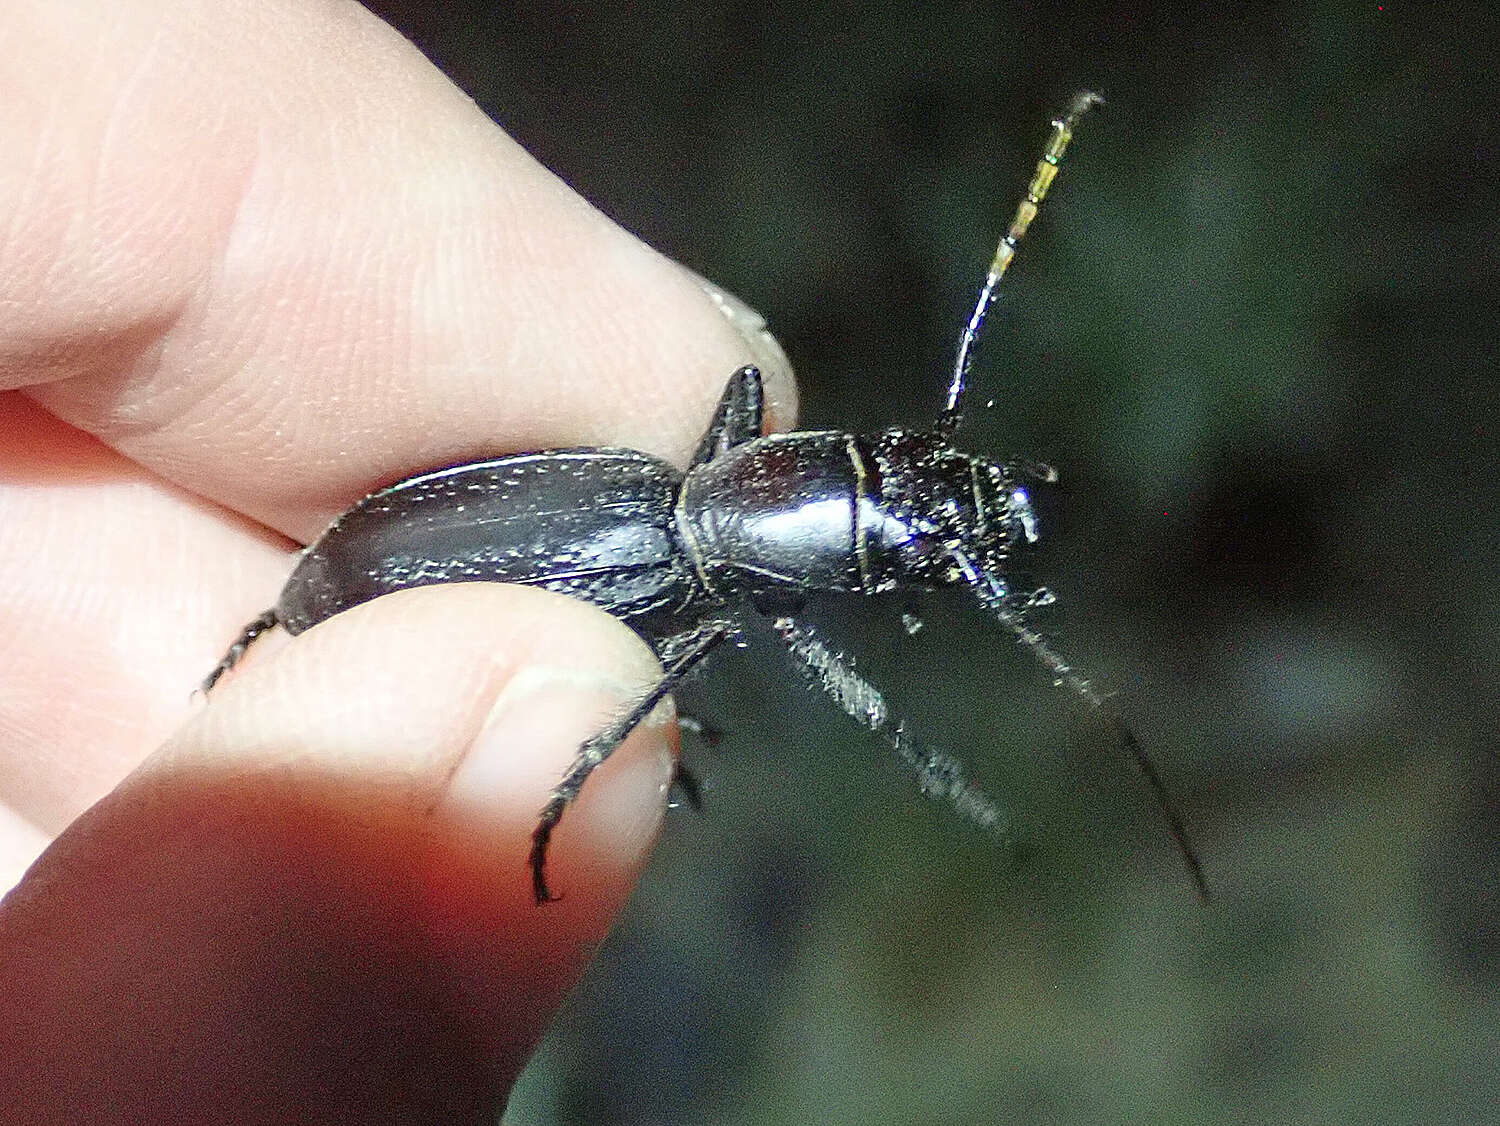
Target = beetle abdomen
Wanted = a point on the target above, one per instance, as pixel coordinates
(592, 523)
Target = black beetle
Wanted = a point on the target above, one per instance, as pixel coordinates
(757, 520)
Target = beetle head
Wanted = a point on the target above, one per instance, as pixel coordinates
(942, 514)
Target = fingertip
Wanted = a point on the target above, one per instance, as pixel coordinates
(471, 701)
(331, 860)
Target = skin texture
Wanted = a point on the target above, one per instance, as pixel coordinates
(257, 259)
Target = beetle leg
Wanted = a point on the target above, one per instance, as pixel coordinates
(939, 776)
(736, 419)
(231, 658)
(1011, 613)
(684, 779)
(686, 783)
(692, 647)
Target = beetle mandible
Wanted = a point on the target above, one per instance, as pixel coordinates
(756, 521)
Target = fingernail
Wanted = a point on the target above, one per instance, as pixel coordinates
(532, 734)
(764, 347)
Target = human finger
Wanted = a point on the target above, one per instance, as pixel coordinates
(315, 897)
(273, 255)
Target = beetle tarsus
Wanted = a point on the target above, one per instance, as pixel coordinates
(690, 647)
(540, 837)
(253, 629)
(686, 783)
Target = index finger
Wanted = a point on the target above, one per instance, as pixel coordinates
(270, 253)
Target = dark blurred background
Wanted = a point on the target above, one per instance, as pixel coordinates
(1255, 329)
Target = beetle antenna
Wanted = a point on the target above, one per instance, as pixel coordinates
(1026, 210)
(1004, 607)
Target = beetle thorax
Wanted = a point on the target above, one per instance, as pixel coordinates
(826, 511)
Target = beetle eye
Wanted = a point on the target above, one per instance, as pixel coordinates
(1022, 514)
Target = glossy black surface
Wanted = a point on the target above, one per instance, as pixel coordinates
(592, 523)
(778, 511)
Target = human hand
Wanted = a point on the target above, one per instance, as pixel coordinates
(256, 259)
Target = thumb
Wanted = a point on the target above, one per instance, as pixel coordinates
(313, 903)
